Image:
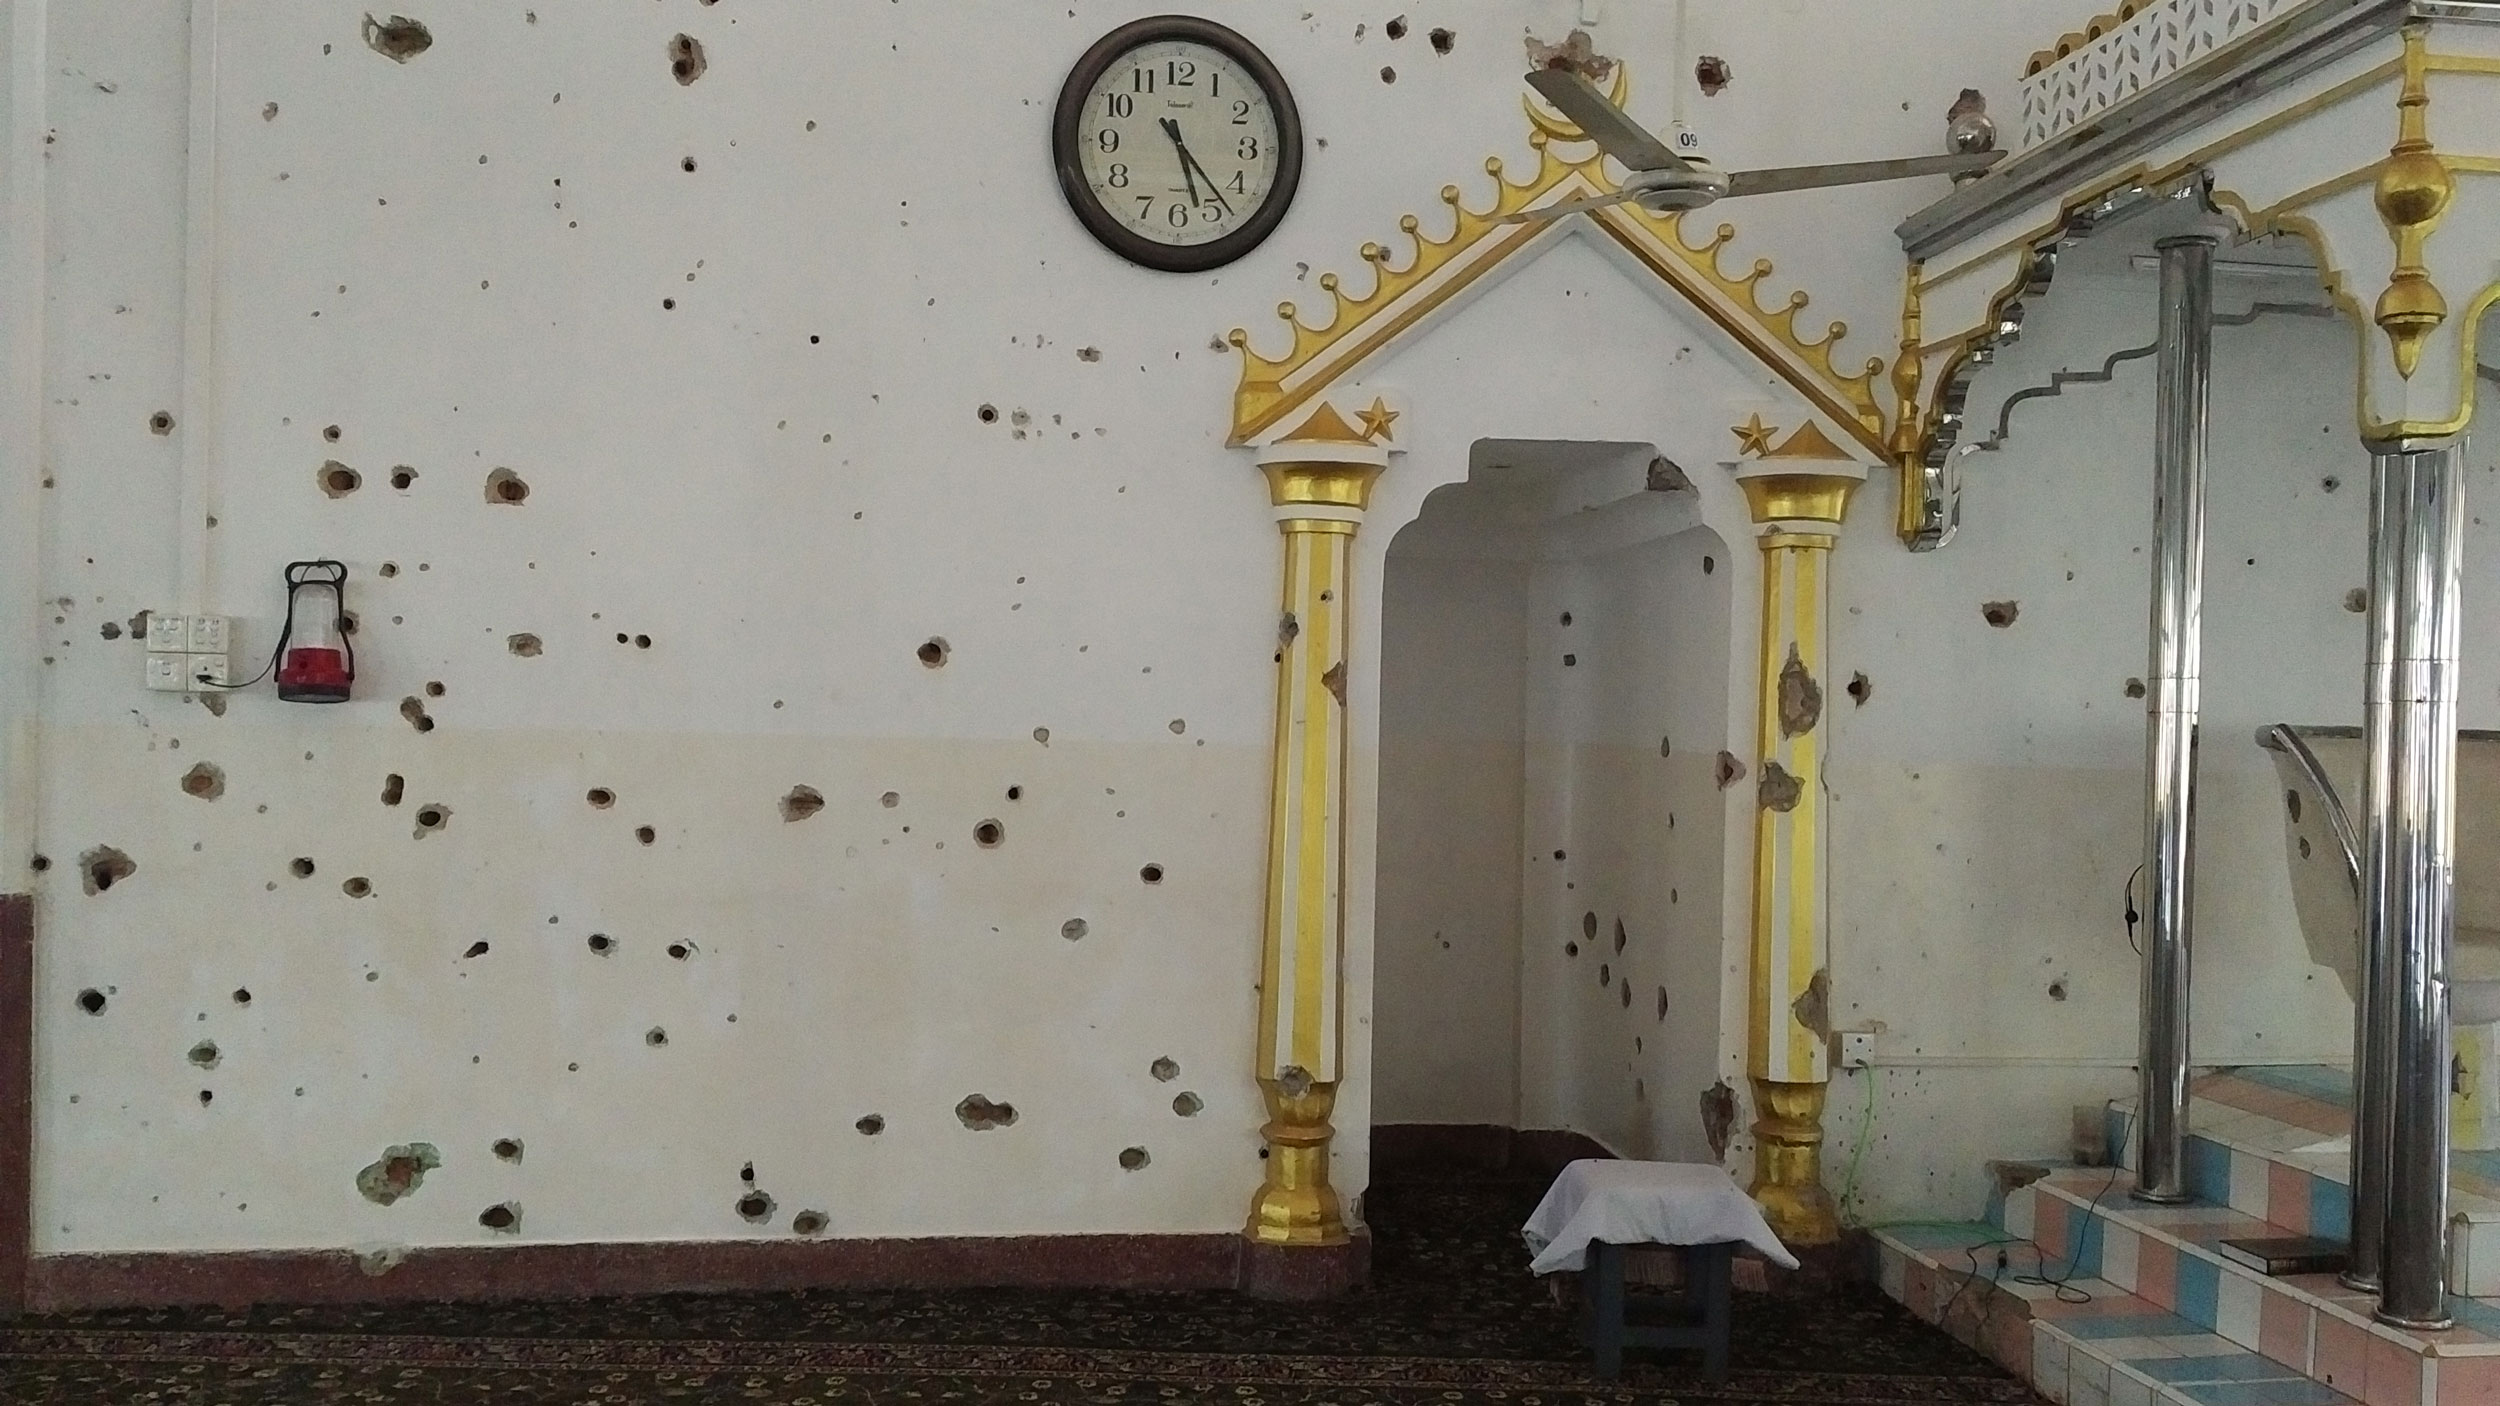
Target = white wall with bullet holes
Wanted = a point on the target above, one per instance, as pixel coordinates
(736, 337)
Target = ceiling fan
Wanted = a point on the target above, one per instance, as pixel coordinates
(1661, 180)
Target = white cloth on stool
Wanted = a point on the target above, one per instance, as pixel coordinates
(1643, 1203)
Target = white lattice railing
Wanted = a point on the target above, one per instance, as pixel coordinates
(2121, 54)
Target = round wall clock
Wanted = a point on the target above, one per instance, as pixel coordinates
(1177, 143)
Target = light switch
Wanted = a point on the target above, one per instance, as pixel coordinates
(166, 672)
(168, 634)
(208, 634)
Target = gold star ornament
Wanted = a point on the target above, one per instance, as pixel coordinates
(1753, 436)
(1378, 419)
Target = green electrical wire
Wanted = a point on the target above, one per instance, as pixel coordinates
(1857, 1152)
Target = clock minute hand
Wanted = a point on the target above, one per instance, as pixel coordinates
(1213, 189)
(1172, 129)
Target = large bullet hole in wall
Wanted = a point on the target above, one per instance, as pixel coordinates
(1133, 1159)
(432, 817)
(104, 866)
(204, 781)
(1621, 937)
(2357, 600)
(1165, 1069)
(2134, 688)
(242, 996)
(808, 1223)
(1152, 873)
(1187, 1104)
(933, 653)
(1711, 74)
(337, 480)
(398, 1172)
(1861, 688)
(646, 834)
(476, 949)
(504, 488)
(91, 1001)
(1443, 41)
(1072, 929)
(871, 1125)
(398, 38)
(1730, 770)
(655, 1037)
(393, 787)
(161, 423)
(602, 944)
(413, 709)
(505, 1217)
(403, 478)
(685, 59)
(981, 1115)
(527, 646)
(507, 1149)
(680, 951)
(358, 887)
(755, 1208)
(2000, 613)
(1588, 926)
(600, 797)
(989, 834)
(801, 802)
(205, 1055)
(301, 867)
(1779, 789)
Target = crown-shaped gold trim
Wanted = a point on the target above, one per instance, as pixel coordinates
(1809, 442)
(1432, 271)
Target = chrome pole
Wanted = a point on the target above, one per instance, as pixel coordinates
(2420, 864)
(2374, 1019)
(2183, 370)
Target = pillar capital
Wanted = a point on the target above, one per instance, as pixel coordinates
(1322, 469)
(1801, 483)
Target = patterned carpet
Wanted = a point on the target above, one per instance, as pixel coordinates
(1452, 1318)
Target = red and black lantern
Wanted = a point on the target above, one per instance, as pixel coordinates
(316, 660)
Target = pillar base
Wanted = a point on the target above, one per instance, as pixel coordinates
(1295, 1207)
(1306, 1272)
(1788, 1163)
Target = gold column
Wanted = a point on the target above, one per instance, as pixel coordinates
(1319, 479)
(1798, 492)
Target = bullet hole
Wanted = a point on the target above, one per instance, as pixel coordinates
(1133, 1159)
(508, 1149)
(934, 653)
(1334, 682)
(1574, 54)
(393, 787)
(1388, 74)
(302, 867)
(337, 480)
(242, 996)
(1566, 619)
(1072, 929)
(91, 1001)
(215, 703)
(387, 569)
(1178, 726)
(1015, 793)
(476, 949)
(871, 1125)
(204, 781)
(890, 799)
(398, 38)
(1626, 991)
(1571, 949)
(668, 304)
(1089, 353)
(989, 834)
(358, 887)
(2330, 483)
(505, 1217)
(981, 1115)
(808, 1223)
(755, 1208)
(1605, 975)
(2357, 600)
(2000, 613)
(1730, 770)
(1396, 28)
(331, 433)
(2057, 989)
(1588, 926)
(600, 797)
(1665, 747)
(161, 423)
(1165, 1069)
(2291, 805)
(268, 112)
(40, 863)
(398, 1172)
(207, 1096)
(139, 624)
(800, 803)
(602, 944)
(687, 164)
(1570, 660)
(1662, 1003)
(105, 866)
(680, 950)
(1861, 688)
(1711, 73)
(655, 1037)
(1718, 1116)
(414, 711)
(1621, 937)
(506, 488)
(524, 645)
(1558, 855)
(1800, 697)
(1443, 41)
(110, 629)
(1778, 790)
(685, 59)
(403, 477)
(646, 834)
(2303, 842)
(987, 414)
(2134, 688)
(1813, 1006)
(1708, 565)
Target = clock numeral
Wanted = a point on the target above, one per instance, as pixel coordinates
(1236, 186)
(1213, 212)
(1145, 206)
(1118, 105)
(1141, 80)
(1241, 112)
(1181, 73)
(1249, 149)
(1215, 84)
(1178, 216)
(1118, 179)
(1108, 139)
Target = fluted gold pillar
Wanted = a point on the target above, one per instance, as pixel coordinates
(1798, 491)
(1319, 479)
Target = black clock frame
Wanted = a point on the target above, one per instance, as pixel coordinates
(1068, 120)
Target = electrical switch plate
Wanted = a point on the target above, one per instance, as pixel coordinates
(208, 635)
(206, 668)
(166, 673)
(1857, 1048)
(168, 634)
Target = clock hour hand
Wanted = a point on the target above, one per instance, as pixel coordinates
(1172, 129)
(1214, 191)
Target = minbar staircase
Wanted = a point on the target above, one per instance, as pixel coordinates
(2098, 1299)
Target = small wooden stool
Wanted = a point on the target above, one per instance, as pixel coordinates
(1599, 1207)
(1700, 1320)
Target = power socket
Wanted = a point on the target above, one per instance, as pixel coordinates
(168, 634)
(207, 634)
(1853, 1049)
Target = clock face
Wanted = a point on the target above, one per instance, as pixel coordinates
(1177, 143)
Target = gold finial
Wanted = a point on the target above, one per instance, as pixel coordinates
(2414, 189)
(1753, 436)
(1907, 373)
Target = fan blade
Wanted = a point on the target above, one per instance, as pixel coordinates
(1607, 125)
(1573, 206)
(1849, 173)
